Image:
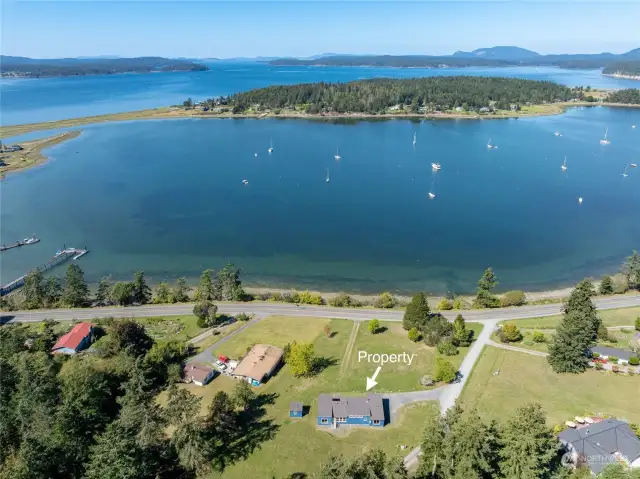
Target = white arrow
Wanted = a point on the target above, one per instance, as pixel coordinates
(372, 381)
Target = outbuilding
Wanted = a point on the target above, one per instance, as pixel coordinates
(295, 409)
(198, 374)
(79, 338)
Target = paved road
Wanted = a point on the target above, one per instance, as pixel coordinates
(261, 308)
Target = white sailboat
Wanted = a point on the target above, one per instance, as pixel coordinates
(337, 155)
(414, 139)
(245, 182)
(270, 150)
(564, 165)
(604, 141)
(431, 196)
(489, 145)
(435, 166)
(327, 180)
(625, 172)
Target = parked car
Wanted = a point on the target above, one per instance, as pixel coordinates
(220, 365)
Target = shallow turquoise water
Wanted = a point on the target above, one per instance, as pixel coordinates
(167, 197)
(46, 99)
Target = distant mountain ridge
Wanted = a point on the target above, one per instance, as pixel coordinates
(493, 56)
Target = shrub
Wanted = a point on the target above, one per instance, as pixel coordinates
(242, 317)
(445, 305)
(634, 361)
(637, 323)
(613, 359)
(447, 348)
(626, 330)
(603, 333)
(385, 300)
(510, 333)
(527, 342)
(414, 335)
(374, 326)
(538, 337)
(305, 297)
(458, 303)
(558, 428)
(444, 371)
(606, 286)
(513, 298)
(427, 381)
(599, 366)
(595, 355)
(620, 284)
(343, 300)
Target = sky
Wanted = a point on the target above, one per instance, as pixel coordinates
(206, 29)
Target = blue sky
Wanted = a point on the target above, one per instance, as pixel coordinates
(51, 29)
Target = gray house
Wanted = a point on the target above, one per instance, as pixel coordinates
(362, 411)
(602, 443)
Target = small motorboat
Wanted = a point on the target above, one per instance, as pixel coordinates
(489, 145)
(337, 155)
(564, 165)
(604, 141)
(633, 126)
(270, 150)
(633, 165)
(625, 172)
(255, 154)
(245, 182)
(580, 200)
(435, 166)
(557, 133)
(431, 196)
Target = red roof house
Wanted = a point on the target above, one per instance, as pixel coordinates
(76, 340)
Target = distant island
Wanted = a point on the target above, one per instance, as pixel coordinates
(623, 70)
(489, 57)
(37, 68)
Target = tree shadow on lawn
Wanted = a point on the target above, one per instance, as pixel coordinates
(322, 363)
(253, 429)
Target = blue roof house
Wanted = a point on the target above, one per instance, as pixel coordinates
(360, 411)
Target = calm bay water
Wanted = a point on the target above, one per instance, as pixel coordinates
(167, 197)
(36, 100)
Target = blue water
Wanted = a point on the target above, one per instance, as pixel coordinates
(36, 100)
(167, 197)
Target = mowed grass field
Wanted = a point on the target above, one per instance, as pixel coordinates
(525, 378)
(610, 317)
(394, 377)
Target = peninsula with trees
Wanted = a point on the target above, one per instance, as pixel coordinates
(57, 67)
(623, 70)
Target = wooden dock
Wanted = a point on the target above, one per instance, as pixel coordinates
(17, 244)
(60, 257)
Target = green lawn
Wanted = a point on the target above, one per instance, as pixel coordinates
(393, 376)
(214, 338)
(525, 378)
(610, 317)
(277, 331)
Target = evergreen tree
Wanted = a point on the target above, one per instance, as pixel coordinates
(205, 291)
(461, 335)
(528, 445)
(103, 295)
(52, 292)
(470, 449)
(9, 438)
(417, 313)
(47, 336)
(179, 294)
(33, 290)
(76, 291)
(243, 395)
(221, 420)
(126, 335)
(122, 293)
(228, 284)
(569, 346)
(141, 291)
(606, 286)
(206, 312)
(436, 330)
(432, 457)
(485, 298)
(631, 270)
(580, 301)
(162, 293)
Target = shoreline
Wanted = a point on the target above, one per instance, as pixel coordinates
(620, 75)
(31, 154)
(165, 113)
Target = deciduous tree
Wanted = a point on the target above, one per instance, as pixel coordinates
(207, 313)
(373, 326)
(461, 335)
(301, 359)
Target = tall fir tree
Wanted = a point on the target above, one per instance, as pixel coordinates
(569, 347)
(580, 300)
(141, 291)
(76, 291)
(417, 313)
(528, 447)
(485, 297)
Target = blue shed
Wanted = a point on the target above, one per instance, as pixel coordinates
(295, 409)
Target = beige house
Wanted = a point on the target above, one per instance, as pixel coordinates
(259, 364)
(198, 374)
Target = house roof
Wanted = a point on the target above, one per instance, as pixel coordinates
(295, 406)
(197, 372)
(619, 353)
(335, 406)
(260, 361)
(598, 442)
(73, 338)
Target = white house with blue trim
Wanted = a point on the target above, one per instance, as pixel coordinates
(360, 411)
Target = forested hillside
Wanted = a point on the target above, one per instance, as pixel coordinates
(379, 95)
(623, 68)
(630, 95)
